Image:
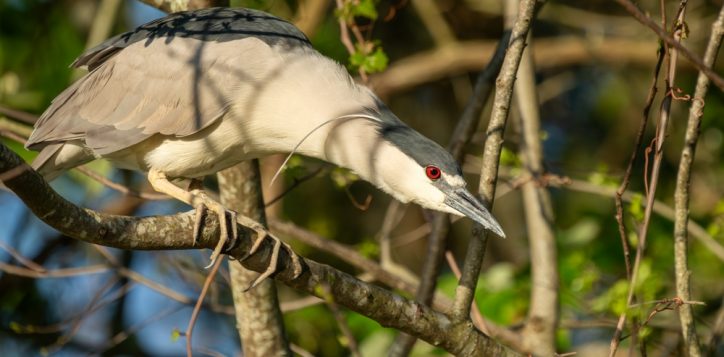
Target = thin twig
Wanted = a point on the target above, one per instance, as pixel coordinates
(344, 328)
(297, 182)
(12, 136)
(199, 303)
(157, 287)
(121, 188)
(662, 126)
(74, 319)
(21, 259)
(118, 338)
(632, 160)
(19, 115)
(673, 42)
(300, 351)
(350, 255)
(53, 273)
(347, 41)
(92, 306)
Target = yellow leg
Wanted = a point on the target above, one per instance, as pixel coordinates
(198, 199)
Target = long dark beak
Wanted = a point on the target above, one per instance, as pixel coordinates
(465, 203)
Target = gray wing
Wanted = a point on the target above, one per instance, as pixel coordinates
(214, 24)
(173, 76)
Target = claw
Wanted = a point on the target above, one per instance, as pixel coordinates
(197, 198)
(269, 269)
(224, 237)
(234, 232)
(198, 220)
(274, 259)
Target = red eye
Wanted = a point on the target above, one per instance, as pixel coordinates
(433, 172)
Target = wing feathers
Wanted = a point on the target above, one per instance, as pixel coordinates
(161, 80)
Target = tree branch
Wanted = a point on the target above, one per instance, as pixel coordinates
(464, 130)
(472, 55)
(673, 42)
(258, 317)
(539, 331)
(465, 291)
(653, 178)
(681, 195)
(174, 232)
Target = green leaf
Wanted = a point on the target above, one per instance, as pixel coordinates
(374, 61)
(362, 8)
(365, 8)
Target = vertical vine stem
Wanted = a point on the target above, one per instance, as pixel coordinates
(618, 198)
(465, 291)
(681, 194)
(658, 143)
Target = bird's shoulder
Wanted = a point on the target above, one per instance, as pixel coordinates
(213, 24)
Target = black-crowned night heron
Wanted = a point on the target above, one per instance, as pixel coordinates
(196, 92)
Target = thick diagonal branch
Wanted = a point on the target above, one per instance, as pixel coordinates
(175, 232)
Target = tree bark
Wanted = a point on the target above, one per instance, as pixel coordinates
(258, 318)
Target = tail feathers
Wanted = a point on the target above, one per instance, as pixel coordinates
(55, 159)
(43, 163)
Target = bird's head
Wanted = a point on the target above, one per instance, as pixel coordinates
(415, 169)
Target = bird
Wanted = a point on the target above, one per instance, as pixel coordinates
(195, 92)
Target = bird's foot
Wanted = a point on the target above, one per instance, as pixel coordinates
(227, 223)
(261, 235)
(198, 199)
